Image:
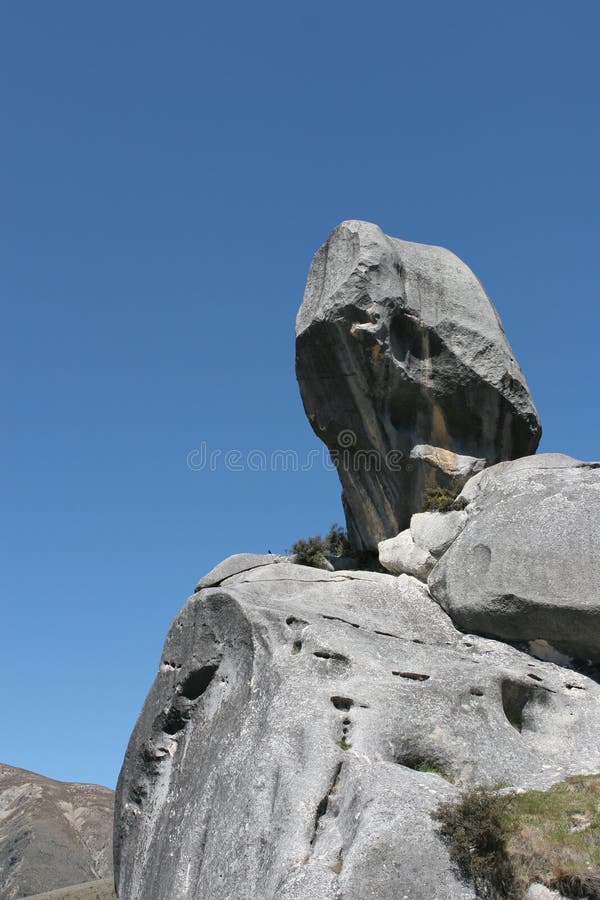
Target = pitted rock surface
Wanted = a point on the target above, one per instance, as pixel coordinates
(304, 724)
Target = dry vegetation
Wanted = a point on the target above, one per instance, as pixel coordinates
(505, 841)
(93, 890)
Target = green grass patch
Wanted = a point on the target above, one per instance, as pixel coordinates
(504, 842)
(431, 767)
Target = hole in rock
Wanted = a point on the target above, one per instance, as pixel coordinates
(197, 682)
(342, 702)
(412, 676)
(410, 337)
(175, 721)
(322, 807)
(339, 657)
(535, 677)
(516, 696)
(357, 315)
(292, 620)
(476, 692)
(423, 763)
(296, 647)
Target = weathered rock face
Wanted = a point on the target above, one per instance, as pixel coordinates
(52, 833)
(405, 373)
(283, 750)
(526, 567)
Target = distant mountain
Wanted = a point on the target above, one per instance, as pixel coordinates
(53, 834)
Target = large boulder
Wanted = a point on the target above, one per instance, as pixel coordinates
(302, 727)
(406, 374)
(526, 566)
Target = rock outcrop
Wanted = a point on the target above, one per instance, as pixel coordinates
(304, 724)
(406, 375)
(52, 834)
(526, 566)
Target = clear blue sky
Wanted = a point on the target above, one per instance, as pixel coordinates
(167, 171)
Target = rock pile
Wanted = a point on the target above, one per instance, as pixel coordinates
(304, 724)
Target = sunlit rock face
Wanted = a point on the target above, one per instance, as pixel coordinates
(526, 567)
(406, 375)
(304, 725)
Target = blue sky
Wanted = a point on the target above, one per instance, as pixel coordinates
(167, 171)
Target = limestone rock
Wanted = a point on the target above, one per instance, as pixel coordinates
(303, 725)
(457, 468)
(400, 555)
(399, 348)
(52, 833)
(435, 531)
(239, 562)
(526, 566)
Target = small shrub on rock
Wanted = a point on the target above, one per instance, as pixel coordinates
(314, 550)
(336, 541)
(476, 831)
(309, 551)
(438, 499)
(505, 842)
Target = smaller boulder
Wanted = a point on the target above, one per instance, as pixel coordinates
(526, 567)
(455, 467)
(401, 556)
(435, 531)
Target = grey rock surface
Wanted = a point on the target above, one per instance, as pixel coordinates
(457, 468)
(435, 531)
(401, 556)
(526, 567)
(280, 751)
(398, 348)
(52, 833)
(239, 562)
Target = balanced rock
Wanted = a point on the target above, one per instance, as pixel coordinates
(303, 726)
(406, 375)
(526, 566)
